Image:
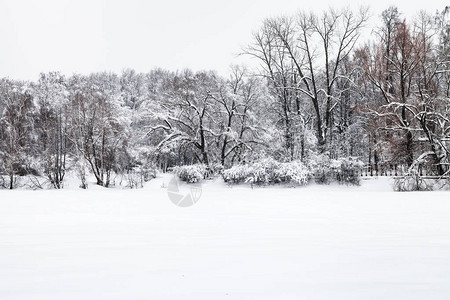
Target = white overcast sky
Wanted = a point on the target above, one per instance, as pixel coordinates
(96, 35)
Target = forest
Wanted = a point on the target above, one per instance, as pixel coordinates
(322, 92)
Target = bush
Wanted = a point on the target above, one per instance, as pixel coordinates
(262, 172)
(268, 171)
(192, 173)
(292, 172)
(349, 171)
(215, 169)
(321, 168)
(237, 174)
(344, 170)
(411, 182)
(137, 176)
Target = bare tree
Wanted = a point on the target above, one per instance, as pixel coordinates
(16, 125)
(51, 125)
(405, 70)
(99, 124)
(310, 49)
(237, 99)
(185, 115)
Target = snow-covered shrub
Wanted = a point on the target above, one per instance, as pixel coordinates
(348, 170)
(412, 181)
(216, 169)
(192, 173)
(292, 172)
(343, 170)
(236, 174)
(146, 172)
(81, 173)
(262, 171)
(137, 176)
(268, 171)
(322, 168)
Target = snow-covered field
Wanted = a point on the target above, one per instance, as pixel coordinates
(316, 242)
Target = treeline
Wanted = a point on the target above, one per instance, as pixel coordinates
(316, 94)
(385, 101)
(107, 124)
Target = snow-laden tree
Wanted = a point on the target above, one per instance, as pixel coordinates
(16, 130)
(135, 94)
(238, 100)
(51, 125)
(301, 56)
(404, 67)
(184, 115)
(100, 124)
(282, 78)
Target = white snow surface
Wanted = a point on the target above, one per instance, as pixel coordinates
(313, 242)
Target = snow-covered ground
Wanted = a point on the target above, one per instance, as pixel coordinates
(316, 242)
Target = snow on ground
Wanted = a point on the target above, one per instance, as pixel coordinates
(316, 242)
